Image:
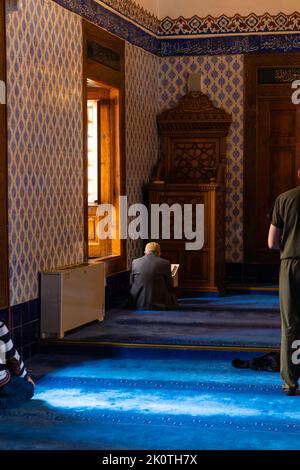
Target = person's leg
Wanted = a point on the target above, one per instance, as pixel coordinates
(15, 393)
(289, 290)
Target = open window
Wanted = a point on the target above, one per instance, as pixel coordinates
(104, 101)
(103, 108)
(3, 171)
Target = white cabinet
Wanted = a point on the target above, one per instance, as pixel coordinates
(71, 297)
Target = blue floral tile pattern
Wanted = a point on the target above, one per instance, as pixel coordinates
(45, 172)
(141, 132)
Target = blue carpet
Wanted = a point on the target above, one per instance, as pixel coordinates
(153, 400)
(234, 320)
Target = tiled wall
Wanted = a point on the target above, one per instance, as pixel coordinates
(44, 70)
(222, 81)
(44, 85)
(142, 96)
(45, 172)
(151, 80)
(45, 136)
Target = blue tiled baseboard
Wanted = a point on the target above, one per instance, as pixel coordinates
(117, 289)
(255, 273)
(4, 315)
(25, 326)
(26, 316)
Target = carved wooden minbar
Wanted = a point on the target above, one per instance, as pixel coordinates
(191, 170)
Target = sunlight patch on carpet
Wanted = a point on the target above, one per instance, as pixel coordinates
(116, 400)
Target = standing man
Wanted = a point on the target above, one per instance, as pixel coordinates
(151, 285)
(284, 235)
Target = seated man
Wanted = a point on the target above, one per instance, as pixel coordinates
(151, 281)
(16, 387)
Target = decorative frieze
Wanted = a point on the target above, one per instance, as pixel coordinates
(224, 24)
(236, 35)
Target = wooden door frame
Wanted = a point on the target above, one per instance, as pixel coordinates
(4, 296)
(251, 63)
(114, 79)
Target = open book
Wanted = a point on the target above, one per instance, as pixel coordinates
(174, 272)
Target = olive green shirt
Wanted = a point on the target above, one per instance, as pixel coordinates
(286, 216)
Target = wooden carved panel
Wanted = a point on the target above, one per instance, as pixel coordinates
(191, 170)
(195, 161)
(187, 198)
(194, 112)
(202, 269)
(193, 142)
(196, 268)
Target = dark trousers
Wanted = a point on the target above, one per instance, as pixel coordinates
(289, 291)
(15, 393)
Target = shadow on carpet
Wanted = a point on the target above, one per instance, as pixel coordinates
(234, 320)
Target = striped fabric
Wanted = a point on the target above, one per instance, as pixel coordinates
(8, 356)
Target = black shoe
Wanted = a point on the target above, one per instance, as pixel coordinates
(290, 391)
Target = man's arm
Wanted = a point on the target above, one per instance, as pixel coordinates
(274, 238)
(132, 274)
(169, 278)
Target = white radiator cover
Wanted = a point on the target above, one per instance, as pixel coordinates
(71, 297)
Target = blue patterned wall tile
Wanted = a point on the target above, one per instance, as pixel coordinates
(45, 180)
(141, 131)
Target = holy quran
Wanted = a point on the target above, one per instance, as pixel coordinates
(174, 272)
